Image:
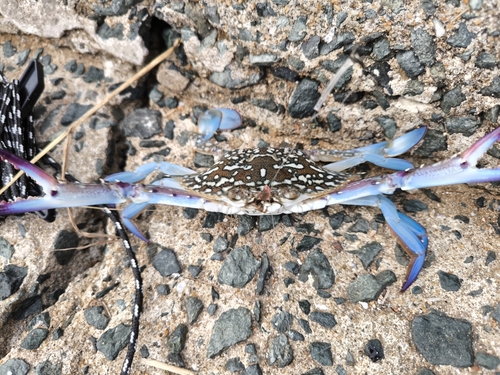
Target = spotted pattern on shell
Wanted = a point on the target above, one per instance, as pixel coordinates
(264, 174)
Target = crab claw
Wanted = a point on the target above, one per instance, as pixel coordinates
(381, 154)
(410, 234)
(460, 169)
(59, 195)
(218, 119)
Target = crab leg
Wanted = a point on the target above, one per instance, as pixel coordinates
(381, 154)
(410, 234)
(61, 195)
(144, 170)
(457, 170)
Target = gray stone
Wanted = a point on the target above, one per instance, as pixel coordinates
(93, 75)
(389, 126)
(438, 72)
(321, 352)
(334, 123)
(165, 262)
(239, 267)
(374, 350)
(367, 253)
(449, 281)
(282, 321)
(334, 66)
(299, 30)
(304, 99)
(212, 14)
(234, 365)
(280, 352)
(462, 37)
(339, 41)
(310, 48)
(424, 46)
(240, 80)
(268, 104)
(194, 270)
(221, 244)
(176, 340)
(424, 371)
(38, 320)
(324, 319)
(73, 113)
(414, 87)
(6, 249)
(95, 317)
(314, 371)
(14, 366)
(428, 7)
(245, 224)
(443, 340)
(488, 361)
(113, 341)
(295, 336)
(296, 63)
(318, 266)
(253, 370)
(434, 141)
(70, 66)
(341, 17)
(265, 59)
(475, 4)
(410, 64)
(466, 125)
(194, 307)
(360, 226)
(414, 205)
(143, 123)
(34, 339)
(493, 89)
(48, 368)
(307, 243)
(11, 279)
(268, 222)
(22, 57)
(452, 99)
(265, 10)
(381, 48)
(368, 288)
(106, 32)
(8, 49)
(486, 60)
(232, 327)
(265, 270)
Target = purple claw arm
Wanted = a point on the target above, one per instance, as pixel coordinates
(411, 235)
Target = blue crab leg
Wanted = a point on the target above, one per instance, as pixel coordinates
(59, 195)
(62, 195)
(410, 234)
(457, 170)
(381, 154)
(218, 119)
(144, 170)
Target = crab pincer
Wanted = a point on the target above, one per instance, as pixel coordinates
(271, 181)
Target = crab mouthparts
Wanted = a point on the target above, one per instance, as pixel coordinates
(264, 195)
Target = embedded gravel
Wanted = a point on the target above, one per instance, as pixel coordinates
(425, 63)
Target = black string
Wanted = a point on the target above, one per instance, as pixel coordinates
(138, 296)
(18, 137)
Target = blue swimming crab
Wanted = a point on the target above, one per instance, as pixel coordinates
(270, 181)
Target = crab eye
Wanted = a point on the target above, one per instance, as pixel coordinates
(289, 193)
(237, 194)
